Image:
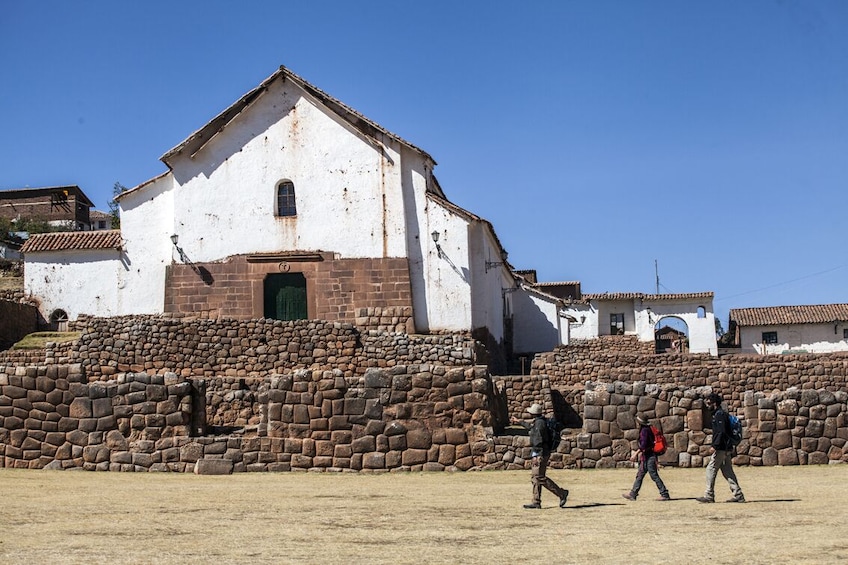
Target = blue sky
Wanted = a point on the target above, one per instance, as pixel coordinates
(597, 137)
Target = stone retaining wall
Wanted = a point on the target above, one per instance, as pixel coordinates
(251, 348)
(418, 417)
(732, 375)
(792, 427)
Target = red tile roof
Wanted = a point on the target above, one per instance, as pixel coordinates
(785, 315)
(632, 295)
(72, 240)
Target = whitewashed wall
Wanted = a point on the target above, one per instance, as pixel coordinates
(536, 322)
(348, 187)
(86, 279)
(586, 325)
(147, 223)
(490, 299)
(812, 338)
(447, 275)
(641, 319)
(701, 331)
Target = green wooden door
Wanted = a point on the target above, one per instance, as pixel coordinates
(285, 296)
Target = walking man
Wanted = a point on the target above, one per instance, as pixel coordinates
(647, 462)
(540, 446)
(722, 453)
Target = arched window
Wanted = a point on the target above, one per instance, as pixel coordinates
(702, 312)
(285, 199)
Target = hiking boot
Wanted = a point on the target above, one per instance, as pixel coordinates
(736, 499)
(705, 499)
(628, 496)
(533, 505)
(664, 498)
(563, 499)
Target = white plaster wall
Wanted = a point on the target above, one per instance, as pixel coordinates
(78, 282)
(701, 331)
(605, 308)
(586, 326)
(812, 338)
(489, 296)
(447, 284)
(147, 223)
(348, 187)
(536, 323)
(641, 317)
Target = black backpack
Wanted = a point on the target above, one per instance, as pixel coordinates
(554, 429)
(550, 434)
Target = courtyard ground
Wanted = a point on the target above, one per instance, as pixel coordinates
(794, 515)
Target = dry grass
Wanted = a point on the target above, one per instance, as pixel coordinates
(38, 340)
(11, 283)
(794, 515)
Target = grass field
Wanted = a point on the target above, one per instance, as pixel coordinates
(794, 515)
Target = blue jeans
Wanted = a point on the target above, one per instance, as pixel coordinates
(648, 465)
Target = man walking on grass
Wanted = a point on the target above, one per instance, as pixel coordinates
(722, 453)
(540, 445)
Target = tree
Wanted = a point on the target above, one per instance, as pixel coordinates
(114, 209)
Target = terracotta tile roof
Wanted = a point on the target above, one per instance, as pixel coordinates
(564, 283)
(785, 315)
(632, 295)
(73, 240)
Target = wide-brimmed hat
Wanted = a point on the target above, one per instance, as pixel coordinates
(641, 420)
(535, 409)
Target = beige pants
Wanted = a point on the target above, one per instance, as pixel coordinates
(539, 479)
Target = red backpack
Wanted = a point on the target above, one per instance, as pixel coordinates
(660, 443)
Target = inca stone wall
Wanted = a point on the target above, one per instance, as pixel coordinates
(731, 375)
(792, 427)
(405, 418)
(251, 348)
(218, 396)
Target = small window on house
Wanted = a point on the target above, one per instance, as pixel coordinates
(770, 338)
(845, 334)
(702, 312)
(616, 324)
(285, 199)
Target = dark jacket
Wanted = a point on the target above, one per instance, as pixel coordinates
(539, 436)
(721, 431)
(646, 441)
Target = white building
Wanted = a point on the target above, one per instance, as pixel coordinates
(641, 315)
(289, 205)
(791, 329)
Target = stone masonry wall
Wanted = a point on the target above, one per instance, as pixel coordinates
(731, 375)
(792, 427)
(376, 293)
(251, 348)
(406, 418)
(169, 394)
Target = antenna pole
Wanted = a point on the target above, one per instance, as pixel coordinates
(657, 273)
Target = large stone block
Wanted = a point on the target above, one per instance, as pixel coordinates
(213, 467)
(80, 408)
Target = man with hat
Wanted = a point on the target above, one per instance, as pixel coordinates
(540, 450)
(647, 461)
(722, 453)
